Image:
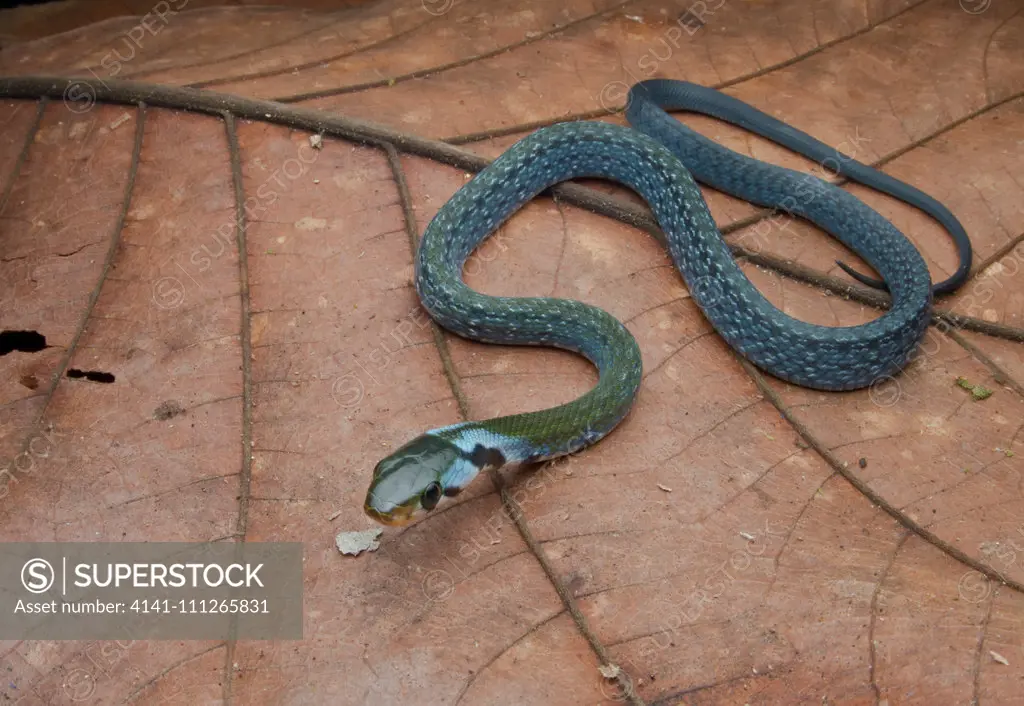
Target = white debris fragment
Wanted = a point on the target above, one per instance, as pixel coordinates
(635, 18)
(999, 658)
(665, 488)
(747, 536)
(316, 141)
(356, 542)
(122, 119)
(609, 671)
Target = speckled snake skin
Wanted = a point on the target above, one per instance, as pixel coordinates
(441, 462)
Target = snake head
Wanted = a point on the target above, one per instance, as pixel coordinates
(413, 480)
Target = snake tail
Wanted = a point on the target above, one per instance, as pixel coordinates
(648, 100)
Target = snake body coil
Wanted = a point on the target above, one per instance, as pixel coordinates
(441, 462)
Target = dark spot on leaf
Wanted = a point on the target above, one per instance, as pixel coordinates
(91, 375)
(168, 409)
(863, 463)
(576, 584)
(691, 20)
(24, 341)
(29, 381)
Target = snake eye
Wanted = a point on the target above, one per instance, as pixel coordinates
(431, 496)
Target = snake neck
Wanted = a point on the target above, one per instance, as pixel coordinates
(534, 437)
(477, 449)
(481, 446)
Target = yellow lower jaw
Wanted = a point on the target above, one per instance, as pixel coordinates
(400, 516)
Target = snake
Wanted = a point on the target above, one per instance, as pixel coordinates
(662, 160)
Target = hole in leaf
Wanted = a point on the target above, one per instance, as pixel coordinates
(24, 341)
(91, 375)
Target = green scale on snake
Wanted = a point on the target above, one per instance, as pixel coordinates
(650, 159)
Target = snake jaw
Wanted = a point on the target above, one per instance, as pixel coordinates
(396, 518)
